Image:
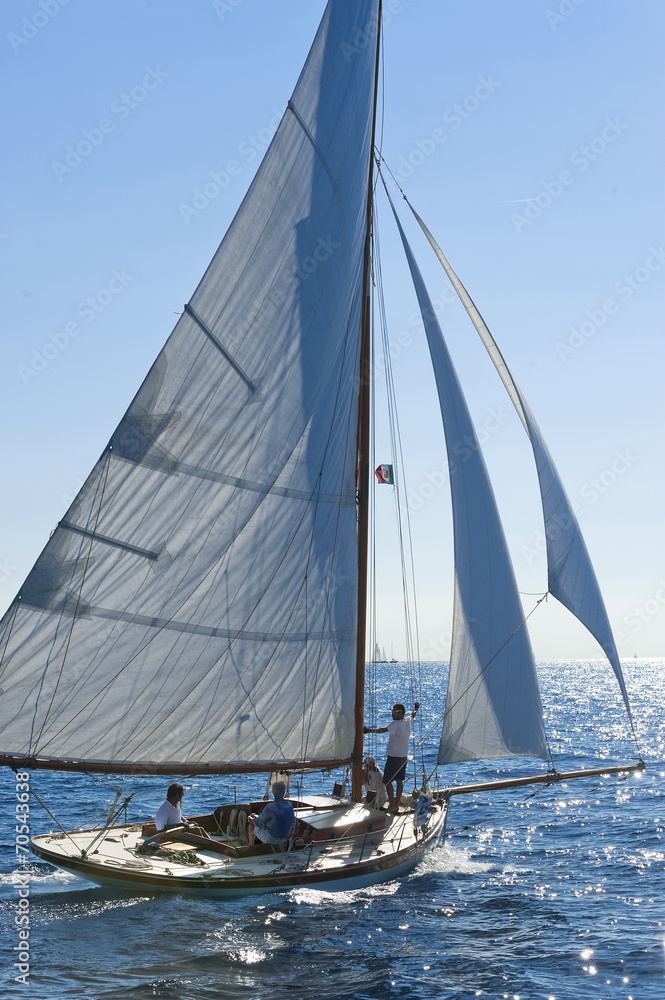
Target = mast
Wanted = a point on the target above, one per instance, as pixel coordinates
(362, 468)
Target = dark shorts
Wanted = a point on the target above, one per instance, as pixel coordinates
(395, 769)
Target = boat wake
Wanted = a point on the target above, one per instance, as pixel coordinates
(452, 861)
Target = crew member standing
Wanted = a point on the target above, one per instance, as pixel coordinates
(397, 753)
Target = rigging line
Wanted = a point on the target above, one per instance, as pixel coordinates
(373, 425)
(109, 784)
(380, 162)
(304, 686)
(394, 445)
(497, 819)
(397, 452)
(480, 673)
(382, 63)
(46, 808)
(78, 603)
(376, 274)
(413, 655)
(110, 818)
(371, 643)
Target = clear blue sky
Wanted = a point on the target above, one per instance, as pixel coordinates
(529, 136)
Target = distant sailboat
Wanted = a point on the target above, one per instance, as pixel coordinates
(379, 654)
(201, 607)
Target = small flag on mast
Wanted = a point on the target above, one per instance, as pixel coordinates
(384, 474)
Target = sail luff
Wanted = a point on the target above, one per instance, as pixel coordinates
(571, 576)
(363, 467)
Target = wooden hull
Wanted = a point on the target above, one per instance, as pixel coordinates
(332, 863)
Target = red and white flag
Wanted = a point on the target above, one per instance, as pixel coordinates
(384, 474)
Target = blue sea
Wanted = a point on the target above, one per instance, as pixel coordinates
(553, 893)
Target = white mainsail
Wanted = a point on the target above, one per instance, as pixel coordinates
(493, 706)
(571, 576)
(197, 605)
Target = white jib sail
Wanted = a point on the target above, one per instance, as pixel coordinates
(493, 706)
(198, 601)
(571, 576)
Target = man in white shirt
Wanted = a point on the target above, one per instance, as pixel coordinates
(397, 753)
(170, 813)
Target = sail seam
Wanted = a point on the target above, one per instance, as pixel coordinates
(209, 630)
(179, 468)
(220, 347)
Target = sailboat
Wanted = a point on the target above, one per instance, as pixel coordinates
(379, 654)
(200, 609)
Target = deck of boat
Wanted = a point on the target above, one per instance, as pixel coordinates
(351, 846)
